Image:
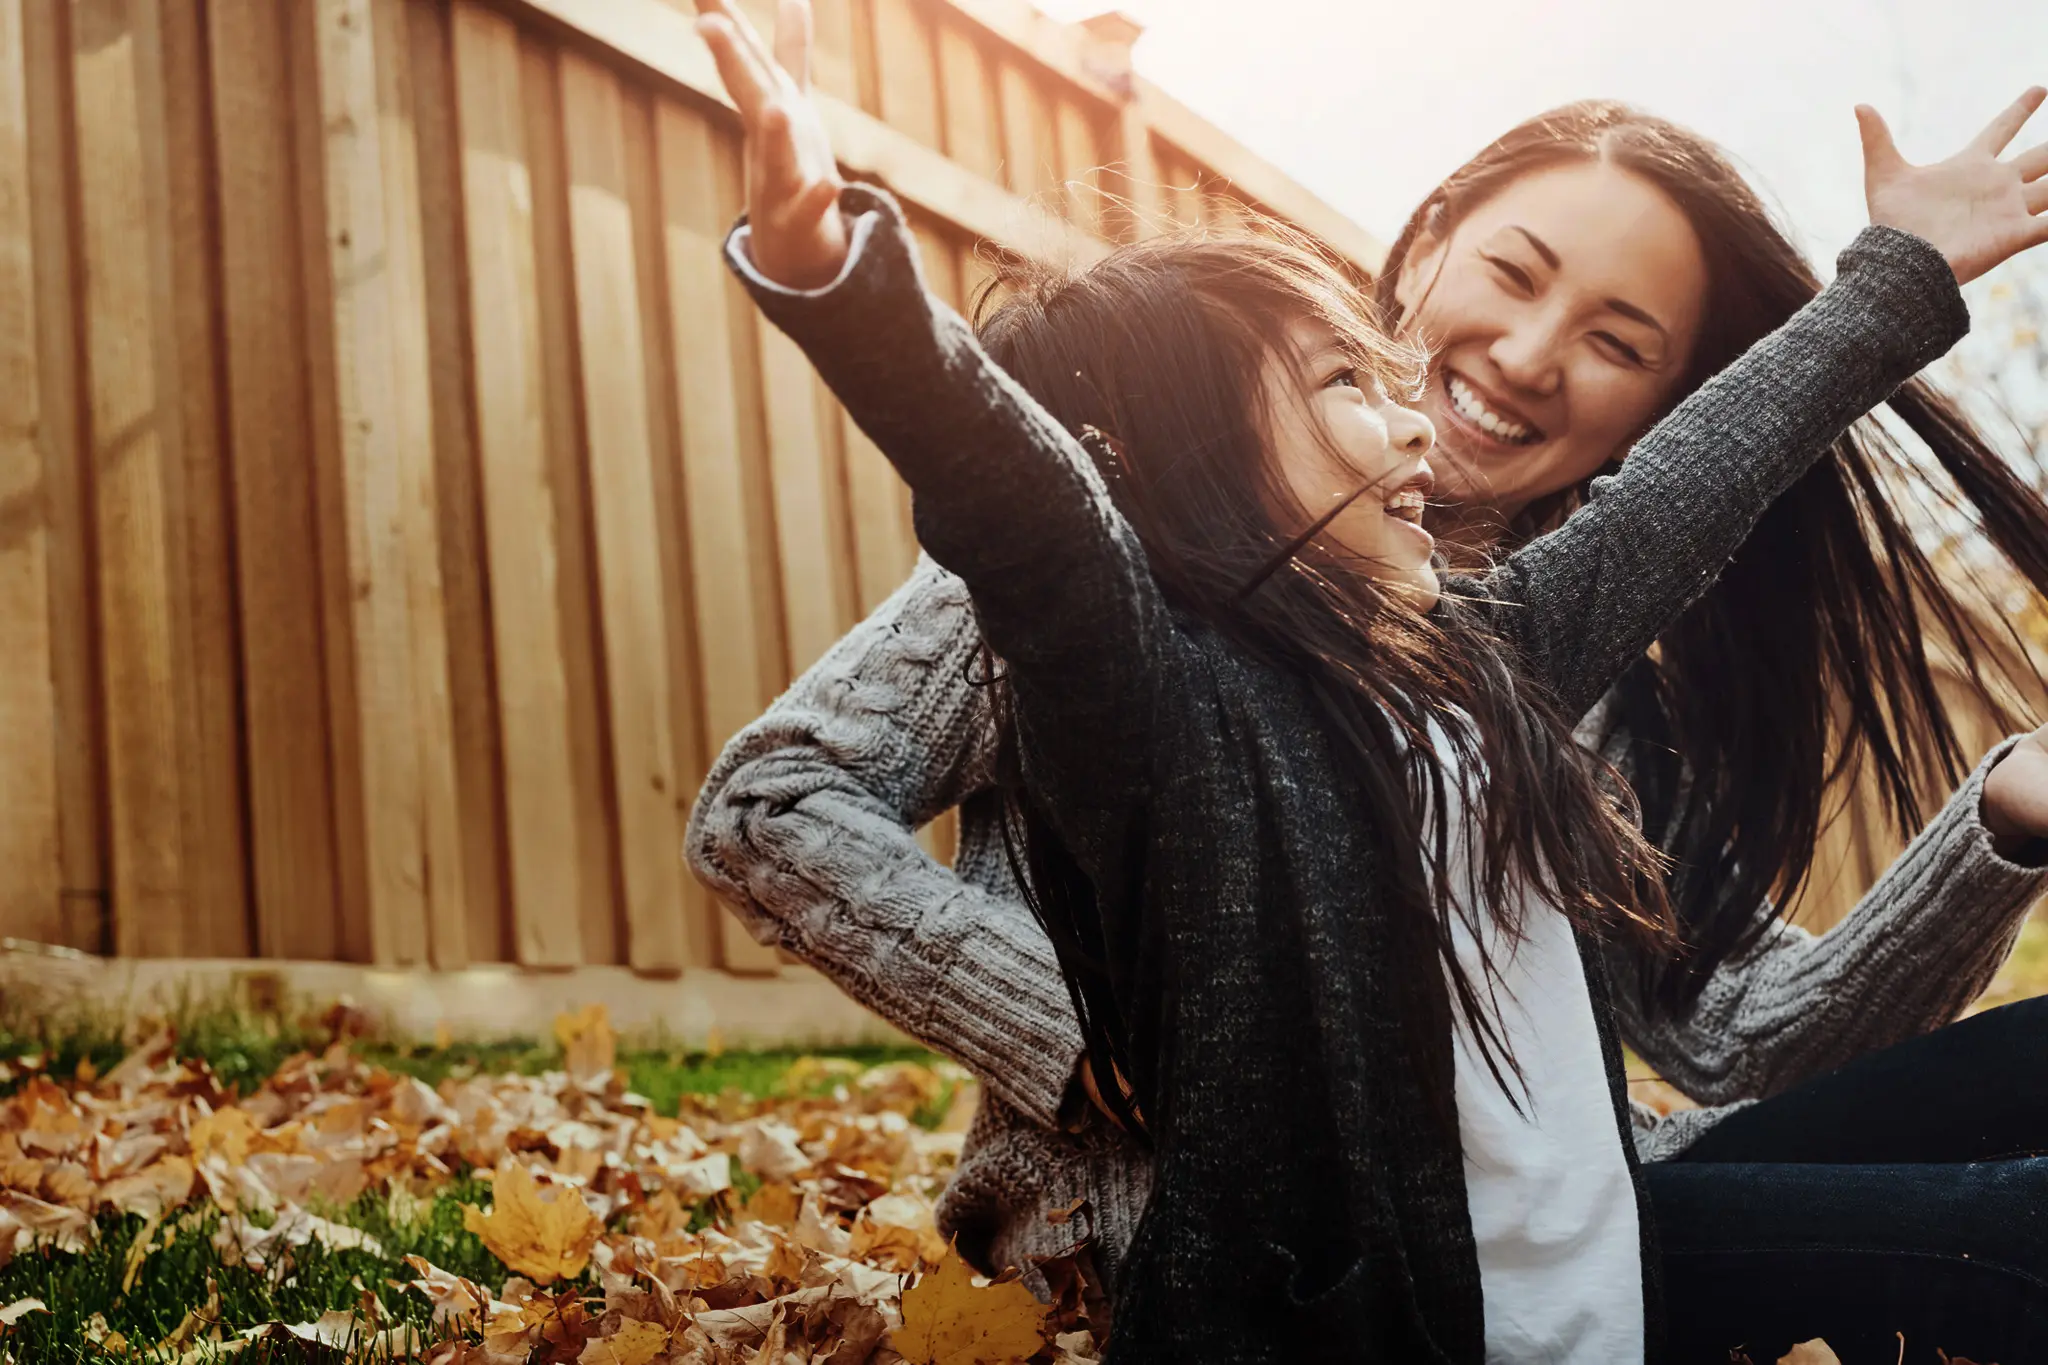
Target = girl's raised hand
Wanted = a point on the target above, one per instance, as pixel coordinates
(798, 237)
(1977, 209)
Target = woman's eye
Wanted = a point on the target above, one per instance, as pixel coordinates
(1618, 347)
(1346, 376)
(1514, 273)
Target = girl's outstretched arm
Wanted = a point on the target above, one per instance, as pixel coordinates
(1586, 600)
(1004, 496)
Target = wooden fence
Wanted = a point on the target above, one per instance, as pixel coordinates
(398, 504)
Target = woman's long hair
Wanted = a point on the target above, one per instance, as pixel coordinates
(1156, 357)
(1808, 657)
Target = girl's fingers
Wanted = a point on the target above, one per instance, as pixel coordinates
(741, 79)
(2035, 196)
(781, 167)
(819, 199)
(793, 41)
(2003, 129)
(1880, 153)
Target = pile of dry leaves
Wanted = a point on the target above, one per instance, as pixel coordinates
(624, 1232)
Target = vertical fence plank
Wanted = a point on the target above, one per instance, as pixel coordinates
(182, 175)
(31, 898)
(81, 794)
(1080, 159)
(458, 480)
(1030, 140)
(907, 63)
(132, 458)
(518, 493)
(286, 685)
(370, 276)
(732, 560)
(426, 619)
(686, 657)
(837, 48)
(803, 453)
(973, 119)
(617, 430)
(600, 904)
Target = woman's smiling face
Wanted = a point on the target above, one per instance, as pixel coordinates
(1561, 315)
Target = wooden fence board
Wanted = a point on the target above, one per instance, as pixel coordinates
(600, 896)
(132, 459)
(386, 456)
(280, 552)
(458, 481)
(431, 708)
(31, 899)
(81, 794)
(907, 75)
(686, 659)
(972, 115)
(518, 494)
(1080, 143)
(621, 444)
(209, 686)
(731, 546)
(1030, 138)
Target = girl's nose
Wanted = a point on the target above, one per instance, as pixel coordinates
(1410, 432)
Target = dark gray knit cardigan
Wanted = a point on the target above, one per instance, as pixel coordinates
(1302, 1204)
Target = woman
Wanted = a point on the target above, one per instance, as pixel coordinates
(806, 821)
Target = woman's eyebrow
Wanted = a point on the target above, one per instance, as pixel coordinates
(1621, 306)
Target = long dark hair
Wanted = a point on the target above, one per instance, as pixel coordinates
(1808, 657)
(1155, 357)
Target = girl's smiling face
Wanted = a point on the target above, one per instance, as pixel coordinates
(1333, 430)
(1561, 316)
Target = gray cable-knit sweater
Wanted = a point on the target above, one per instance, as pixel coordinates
(805, 825)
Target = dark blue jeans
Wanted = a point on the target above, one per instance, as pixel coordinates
(1903, 1193)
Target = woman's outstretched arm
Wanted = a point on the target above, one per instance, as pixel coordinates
(1922, 944)
(806, 827)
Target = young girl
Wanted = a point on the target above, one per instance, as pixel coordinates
(1310, 830)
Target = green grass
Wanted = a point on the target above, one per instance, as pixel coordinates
(244, 1046)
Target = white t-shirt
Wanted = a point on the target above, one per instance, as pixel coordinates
(1553, 1208)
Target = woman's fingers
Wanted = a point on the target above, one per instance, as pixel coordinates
(1880, 153)
(793, 41)
(2002, 130)
(782, 170)
(2035, 196)
(2032, 164)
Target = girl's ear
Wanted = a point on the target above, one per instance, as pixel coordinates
(1424, 259)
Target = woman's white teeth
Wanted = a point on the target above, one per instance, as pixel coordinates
(1474, 410)
(1408, 505)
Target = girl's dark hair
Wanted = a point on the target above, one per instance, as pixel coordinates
(1157, 358)
(1808, 657)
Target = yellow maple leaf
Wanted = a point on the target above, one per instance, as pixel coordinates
(542, 1238)
(948, 1319)
(635, 1343)
(227, 1131)
(589, 1045)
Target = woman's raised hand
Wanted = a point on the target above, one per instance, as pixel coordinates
(798, 237)
(1977, 209)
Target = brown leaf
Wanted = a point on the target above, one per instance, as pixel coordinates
(153, 1191)
(545, 1238)
(589, 1046)
(1815, 1352)
(635, 1343)
(950, 1320)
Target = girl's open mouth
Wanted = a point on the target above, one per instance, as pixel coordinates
(1407, 505)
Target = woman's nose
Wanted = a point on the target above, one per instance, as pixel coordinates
(1527, 357)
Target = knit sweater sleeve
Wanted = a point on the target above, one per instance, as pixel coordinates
(1005, 497)
(1584, 601)
(805, 827)
(1917, 949)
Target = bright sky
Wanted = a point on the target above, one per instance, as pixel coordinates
(1369, 103)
